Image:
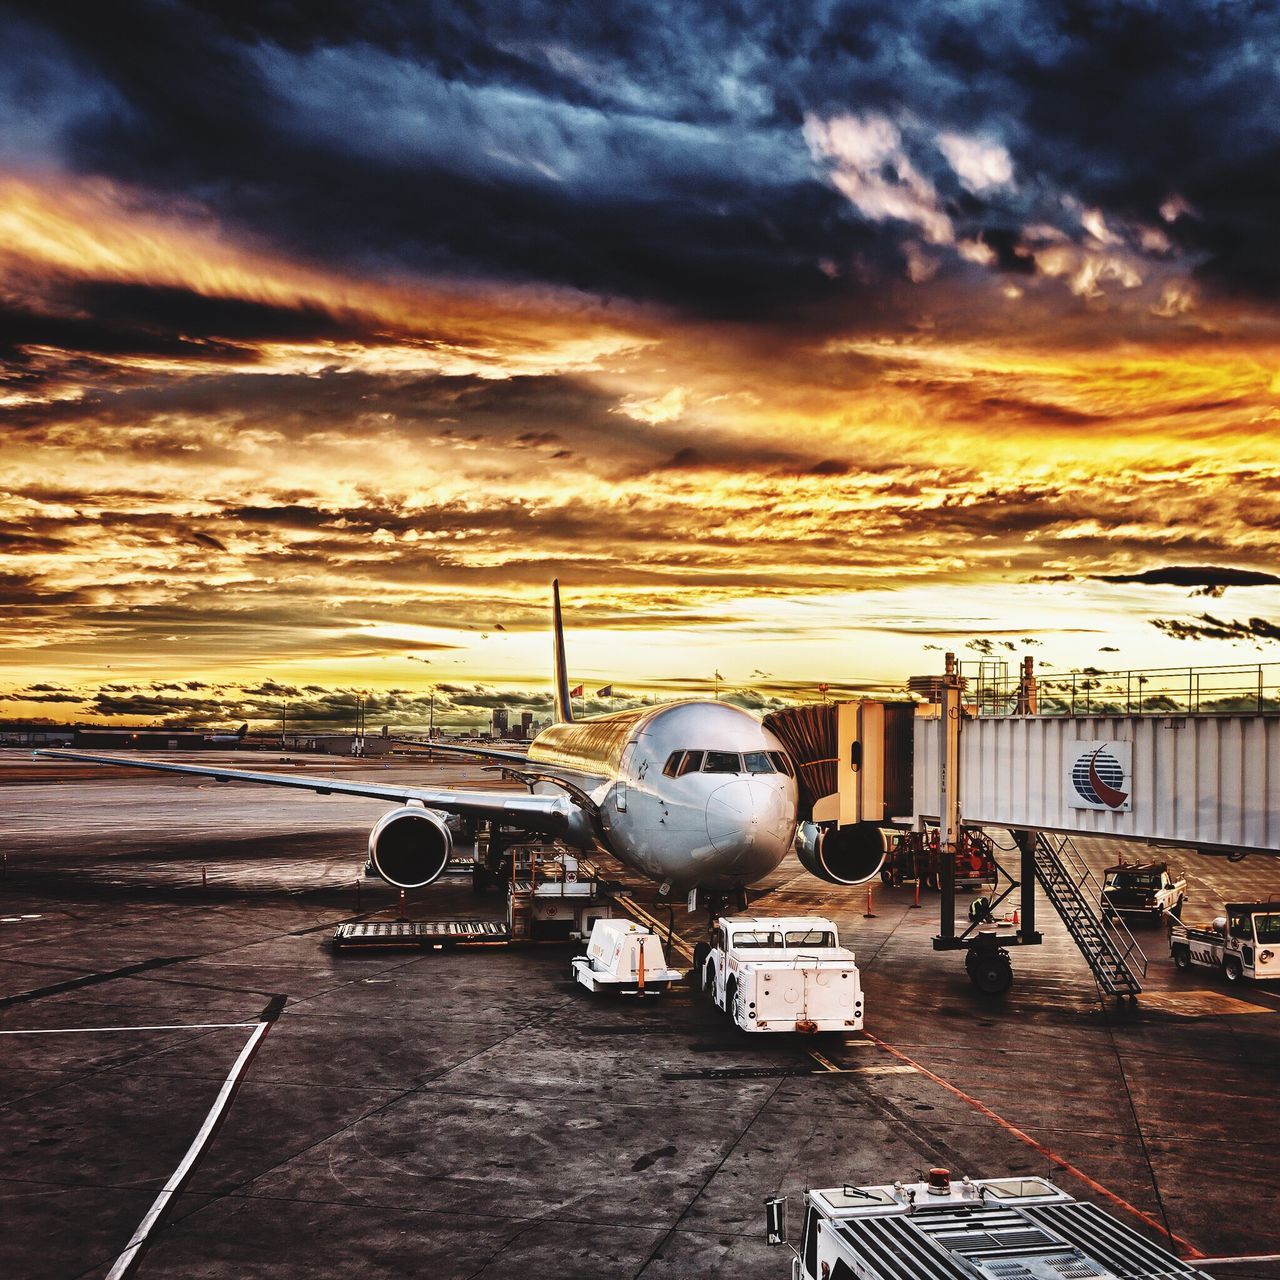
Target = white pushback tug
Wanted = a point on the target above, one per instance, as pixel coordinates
(624, 957)
(974, 1229)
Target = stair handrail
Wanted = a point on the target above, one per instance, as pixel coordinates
(1123, 943)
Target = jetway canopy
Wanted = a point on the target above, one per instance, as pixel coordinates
(1208, 780)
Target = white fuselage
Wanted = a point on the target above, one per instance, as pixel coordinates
(720, 825)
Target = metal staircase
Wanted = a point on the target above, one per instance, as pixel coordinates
(1109, 948)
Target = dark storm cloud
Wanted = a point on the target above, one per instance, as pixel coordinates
(111, 319)
(655, 151)
(1207, 627)
(1210, 579)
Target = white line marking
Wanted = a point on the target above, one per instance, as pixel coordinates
(72, 1031)
(176, 1179)
(1248, 1257)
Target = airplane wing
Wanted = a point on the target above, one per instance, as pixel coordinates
(551, 814)
(484, 752)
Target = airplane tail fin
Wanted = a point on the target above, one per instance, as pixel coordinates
(564, 706)
(242, 730)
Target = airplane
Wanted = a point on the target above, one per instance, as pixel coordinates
(217, 739)
(695, 795)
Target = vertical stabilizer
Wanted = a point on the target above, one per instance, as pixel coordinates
(564, 707)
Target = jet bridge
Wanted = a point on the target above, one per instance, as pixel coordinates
(1140, 765)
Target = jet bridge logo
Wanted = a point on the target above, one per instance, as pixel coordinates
(1099, 776)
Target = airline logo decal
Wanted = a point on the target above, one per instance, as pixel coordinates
(1099, 776)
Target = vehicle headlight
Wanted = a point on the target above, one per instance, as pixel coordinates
(1264, 956)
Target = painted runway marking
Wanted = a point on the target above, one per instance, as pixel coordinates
(125, 1261)
(77, 1031)
(1189, 1250)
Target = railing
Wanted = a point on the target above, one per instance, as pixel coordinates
(1087, 886)
(1245, 689)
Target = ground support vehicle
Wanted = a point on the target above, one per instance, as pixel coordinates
(1245, 943)
(914, 855)
(1144, 889)
(782, 973)
(626, 958)
(553, 896)
(981, 1229)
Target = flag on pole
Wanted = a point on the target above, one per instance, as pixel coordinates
(606, 692)
(576, 691)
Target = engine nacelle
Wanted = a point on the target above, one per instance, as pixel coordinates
(410, 847)
(842, 855)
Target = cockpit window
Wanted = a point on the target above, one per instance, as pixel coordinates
(782, 762)
(722, 762)
(674, 761)
(758, 762)
(692, 762)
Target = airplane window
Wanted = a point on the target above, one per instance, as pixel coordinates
(692, 762)
(674, 761)
(783, 763)
(758, 762)
(722, 762)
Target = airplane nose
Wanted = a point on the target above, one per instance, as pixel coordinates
(746, 814)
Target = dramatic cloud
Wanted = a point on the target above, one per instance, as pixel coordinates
(1210, 580)
(1207, 627)
(794, 338)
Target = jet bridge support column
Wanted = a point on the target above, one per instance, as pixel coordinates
(949, 798)
(1026, 842)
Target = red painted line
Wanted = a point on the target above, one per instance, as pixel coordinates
(1188, 1249)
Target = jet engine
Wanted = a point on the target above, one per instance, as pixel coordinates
(410, 847)
(842, 855)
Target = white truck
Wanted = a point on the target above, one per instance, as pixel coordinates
(1022, 1228)
(626, 958)
(1149, 890)
(1245, 943)
(782, 973)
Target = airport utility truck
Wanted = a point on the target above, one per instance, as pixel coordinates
(1245, 943)
(972, 1229)
(783, 973)
(1144, 889)
(626, 958)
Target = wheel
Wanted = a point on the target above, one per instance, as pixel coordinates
(1231, 967)
(1182, 958)
(700, 953)
(709, 979)
(992, 974)
(730, 995)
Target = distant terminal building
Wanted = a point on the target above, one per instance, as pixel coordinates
(35, 733)
(348, 744)
(99, 737)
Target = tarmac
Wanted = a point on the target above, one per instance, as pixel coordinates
(475, 1114)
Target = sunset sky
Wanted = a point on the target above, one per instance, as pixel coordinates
(802, 342)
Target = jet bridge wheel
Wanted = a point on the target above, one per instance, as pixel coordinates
(990, 971)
